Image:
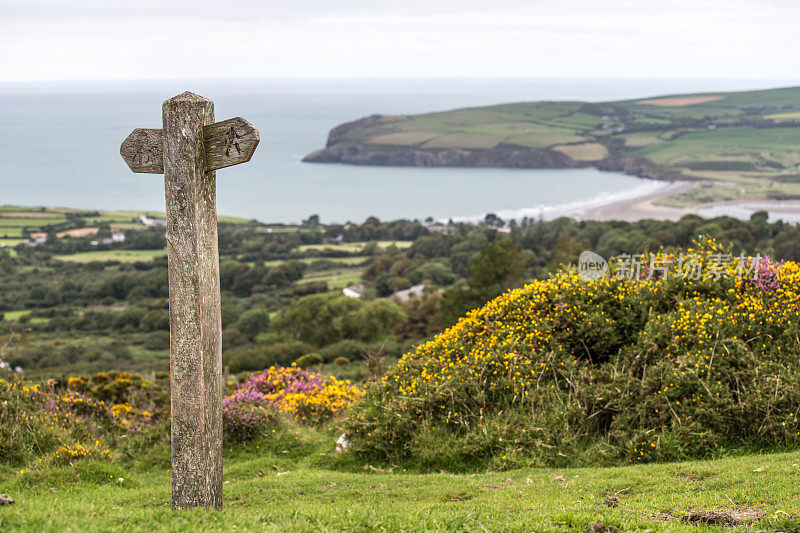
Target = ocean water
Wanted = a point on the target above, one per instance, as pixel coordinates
(61, 148)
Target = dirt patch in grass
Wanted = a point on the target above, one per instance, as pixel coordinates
(459, 496)
(679, 101)
(78, 232)
(723, 517)
(600, 527)
(661, 517)
(695, 476)
(611, 501)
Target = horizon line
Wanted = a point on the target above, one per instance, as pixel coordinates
(397, 78)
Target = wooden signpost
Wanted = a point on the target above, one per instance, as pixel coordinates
(188, 150)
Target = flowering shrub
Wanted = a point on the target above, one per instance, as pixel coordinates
(39, 419)
(306, 396)
(70, 454)
(768, 275)
(25, 429)
(245, 413)
(563, 371)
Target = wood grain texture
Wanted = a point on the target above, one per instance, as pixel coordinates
(225, 144)
(229, 143)
(143, 150)
(194, 305)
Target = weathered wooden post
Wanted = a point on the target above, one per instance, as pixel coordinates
(188, 151)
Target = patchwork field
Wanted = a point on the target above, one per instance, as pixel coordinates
(123, 256)
(352, 247)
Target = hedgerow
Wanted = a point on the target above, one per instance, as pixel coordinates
(566, 372)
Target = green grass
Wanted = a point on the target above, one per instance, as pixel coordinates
(15, 315)
(351, 247)
(337, 279)
(310, 497)
(123, 256)
(30, 222)
(701, 144)
(353, 260)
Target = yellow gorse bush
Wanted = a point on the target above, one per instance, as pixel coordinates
(78, 452)
(566, 371)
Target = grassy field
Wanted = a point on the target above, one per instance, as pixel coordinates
(123, 256)
(351, 247)
(336, 279)
(14, 218)
(284, 486)
(353, 260)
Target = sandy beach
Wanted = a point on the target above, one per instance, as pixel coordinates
(643, 207)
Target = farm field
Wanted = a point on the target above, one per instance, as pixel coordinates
(337, 279)
(352, 247)
(14, 220)
(123, 256)
(351, 260)
(268, 490)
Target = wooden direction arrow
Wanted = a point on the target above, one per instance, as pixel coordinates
(225, 144)
(143, 151)
(229, 143)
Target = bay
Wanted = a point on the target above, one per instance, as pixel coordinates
(61, 148)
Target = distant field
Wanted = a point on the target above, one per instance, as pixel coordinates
(338, 279)
(123, 256)
(584, 151)
(793, 115)
(732, 142)
(10, 232)
(35, 222)
(351, 247)
(680, 101)
(15, 315)
(353, 260)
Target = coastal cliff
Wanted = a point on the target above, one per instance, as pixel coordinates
(749, 138)
(500, 156)
(343, 147)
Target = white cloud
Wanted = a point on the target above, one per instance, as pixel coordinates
(91, 39)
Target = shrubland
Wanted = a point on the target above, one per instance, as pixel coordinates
(661, 367)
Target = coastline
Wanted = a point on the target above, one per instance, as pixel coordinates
(642, 207)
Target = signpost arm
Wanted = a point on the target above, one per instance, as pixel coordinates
(194, 305)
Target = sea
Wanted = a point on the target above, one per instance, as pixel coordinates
(60, 147)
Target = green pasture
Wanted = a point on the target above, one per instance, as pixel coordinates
(289, 484)
(123, 256)
(353, 260)
(728, 141)
(336, 279)
(350, 247)
(29, 222)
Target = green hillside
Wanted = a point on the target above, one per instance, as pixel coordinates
(750, 140)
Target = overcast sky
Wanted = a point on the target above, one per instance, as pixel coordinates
(163, 39)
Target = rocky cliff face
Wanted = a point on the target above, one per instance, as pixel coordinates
(500, 156)
(343, 148)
